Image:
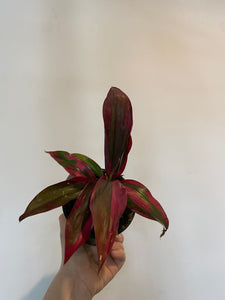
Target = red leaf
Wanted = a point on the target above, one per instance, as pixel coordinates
(141, 201)
(74, 165)
(117, 114)
(79, 223)
(108, 202)
(54, 196)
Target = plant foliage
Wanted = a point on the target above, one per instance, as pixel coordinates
(102, 196)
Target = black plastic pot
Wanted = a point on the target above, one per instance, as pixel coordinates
(125, 220)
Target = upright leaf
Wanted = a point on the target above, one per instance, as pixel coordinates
(54, 196)
(141, 201)
(108, 202)
(117, 114)
(79, 223)
(73, 164)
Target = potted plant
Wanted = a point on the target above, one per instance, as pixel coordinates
(103, 201)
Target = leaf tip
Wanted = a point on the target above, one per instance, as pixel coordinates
(22, 217)
(100, 264)
(164, 230)
(115, 91)
(67, 255)
(66, 258)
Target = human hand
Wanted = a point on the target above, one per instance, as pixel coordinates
(84, 262)
(79, 277)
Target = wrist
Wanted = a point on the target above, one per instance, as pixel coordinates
(67, 287)
(75, 286)
(80, 291)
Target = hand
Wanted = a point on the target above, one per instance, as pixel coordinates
(80, 273)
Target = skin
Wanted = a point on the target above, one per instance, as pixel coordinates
(78, 279)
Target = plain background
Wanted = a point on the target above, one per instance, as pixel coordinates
(58, 60)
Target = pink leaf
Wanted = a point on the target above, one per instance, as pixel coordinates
(108, 202)
(74, 165)
(79, 223)
(141, 201)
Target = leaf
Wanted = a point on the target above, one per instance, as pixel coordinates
(108, 202)
(92, 164)
(141, 201)
(117, 114)
(79, 223)
(54, 196)
(73, 164)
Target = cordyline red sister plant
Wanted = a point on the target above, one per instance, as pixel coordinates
(101, 195)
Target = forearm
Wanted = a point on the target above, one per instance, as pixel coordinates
(65, 287)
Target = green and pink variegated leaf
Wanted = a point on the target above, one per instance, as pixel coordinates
(108, 202)
(79, 223)
(54, 196)
(117, 114)
(141, 201)
(91, 163)
(74, 165)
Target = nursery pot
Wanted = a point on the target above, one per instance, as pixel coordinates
(125, 220)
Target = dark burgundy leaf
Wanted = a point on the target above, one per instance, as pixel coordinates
(117, 114)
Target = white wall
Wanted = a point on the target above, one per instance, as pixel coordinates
(57, 61)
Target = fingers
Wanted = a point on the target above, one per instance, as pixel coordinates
(117, 252)
(118, 244)
(62, 221)
(62, 224)
(119, 238)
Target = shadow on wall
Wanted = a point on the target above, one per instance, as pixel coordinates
(38, 291)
